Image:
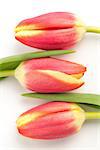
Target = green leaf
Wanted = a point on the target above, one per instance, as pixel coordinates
(2, 78)
(68, 97)
(89, 107)
(11, 62)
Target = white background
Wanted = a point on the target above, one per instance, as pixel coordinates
(88, 53)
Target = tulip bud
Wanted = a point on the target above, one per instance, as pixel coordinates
(50, 75)
(57, 30)
(51, 120)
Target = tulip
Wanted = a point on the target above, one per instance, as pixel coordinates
(48, 75)
(56, 30)
(53, 120)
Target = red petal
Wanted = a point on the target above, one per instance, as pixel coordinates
(54, 20)
(54, 64)
(51, 81)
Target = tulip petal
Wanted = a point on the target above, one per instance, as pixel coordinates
(64, 66)
(43, 110)
(51, 126)
(78, 76)
(55, 20)
(48, 81)
(50, 39)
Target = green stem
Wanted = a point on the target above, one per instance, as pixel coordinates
(92, 115)
(93, 29)
(7, 73)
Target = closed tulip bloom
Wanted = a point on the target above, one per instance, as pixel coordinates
(50, 75)
(51, 120)
(56, 30)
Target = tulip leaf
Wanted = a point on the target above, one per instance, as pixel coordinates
(89, 107)
(1, 78)
(11, 62)
(92, 99)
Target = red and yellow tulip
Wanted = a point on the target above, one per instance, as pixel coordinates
(50, 75)
(57, 30)
(51, 120)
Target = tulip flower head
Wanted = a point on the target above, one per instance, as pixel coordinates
(56, 30)
(51, 120)
(50, 75)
